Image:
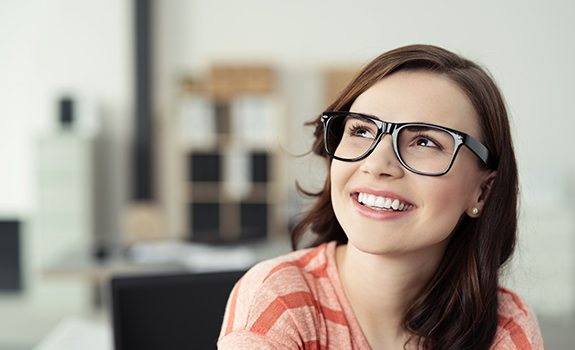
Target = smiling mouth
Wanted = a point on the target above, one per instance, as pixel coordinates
(401, 209)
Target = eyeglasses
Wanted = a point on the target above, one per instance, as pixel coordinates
(422, 148)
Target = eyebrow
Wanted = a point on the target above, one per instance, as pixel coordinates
(416, 122)
(369, 115)
(418, 128)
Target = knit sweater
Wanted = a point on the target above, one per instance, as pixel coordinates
(296, 301)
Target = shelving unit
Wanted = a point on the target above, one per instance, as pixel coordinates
(230, 127)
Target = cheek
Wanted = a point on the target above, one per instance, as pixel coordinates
(340, 172)
(337, 181)
(443, 195)
(444, 202)
(452, 191)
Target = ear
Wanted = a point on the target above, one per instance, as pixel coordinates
(482, 193)
(486, 185)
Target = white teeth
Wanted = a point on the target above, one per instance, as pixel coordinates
(370, 200)
(387, 203)
(382, 202)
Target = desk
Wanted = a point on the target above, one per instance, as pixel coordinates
(164, 256)
(160, 257)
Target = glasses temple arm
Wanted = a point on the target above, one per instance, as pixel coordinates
(479, 149)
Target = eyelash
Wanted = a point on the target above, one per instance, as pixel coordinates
(430, 139)
(356, 127)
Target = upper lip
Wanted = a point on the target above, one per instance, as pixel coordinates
(381, 193)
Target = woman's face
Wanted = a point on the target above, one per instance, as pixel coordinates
(438, 201)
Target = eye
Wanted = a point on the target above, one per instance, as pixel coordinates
(361, 131)
(426, 142)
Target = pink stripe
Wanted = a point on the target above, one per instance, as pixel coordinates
(301, 262)
(517, 333)
(232, 314)
(273, 312)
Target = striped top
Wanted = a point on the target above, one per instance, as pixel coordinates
(296, 301)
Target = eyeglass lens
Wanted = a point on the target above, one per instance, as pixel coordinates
(425, 149)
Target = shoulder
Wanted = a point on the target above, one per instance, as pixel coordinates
(517, 326)
(284, 274)
(268, 300)
(299, 262)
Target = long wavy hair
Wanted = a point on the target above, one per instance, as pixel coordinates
(457, 308)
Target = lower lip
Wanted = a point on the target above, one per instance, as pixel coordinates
(378, 214)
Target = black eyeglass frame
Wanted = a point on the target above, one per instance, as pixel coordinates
(460, 138)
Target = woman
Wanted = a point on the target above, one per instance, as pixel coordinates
(416, 220)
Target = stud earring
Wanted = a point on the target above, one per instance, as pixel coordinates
(475, 211)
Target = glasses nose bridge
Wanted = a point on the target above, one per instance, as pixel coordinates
(387, 127)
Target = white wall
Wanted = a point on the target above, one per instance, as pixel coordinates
(49, 48)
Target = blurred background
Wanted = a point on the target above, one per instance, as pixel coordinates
(148, 150)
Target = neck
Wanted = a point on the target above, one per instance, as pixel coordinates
(380, 288)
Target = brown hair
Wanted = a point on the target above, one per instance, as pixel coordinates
(457, 308)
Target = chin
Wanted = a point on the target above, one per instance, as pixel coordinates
(369, 245)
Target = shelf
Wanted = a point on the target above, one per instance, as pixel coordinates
(229, 144)
(213, 191)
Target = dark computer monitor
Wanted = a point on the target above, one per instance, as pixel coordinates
(170, 311)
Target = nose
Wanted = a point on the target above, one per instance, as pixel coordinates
(382, 160)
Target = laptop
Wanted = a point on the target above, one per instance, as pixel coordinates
(170, 311)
